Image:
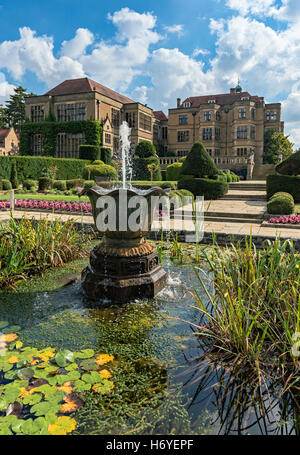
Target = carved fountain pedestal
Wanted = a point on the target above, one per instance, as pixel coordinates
(124, 266)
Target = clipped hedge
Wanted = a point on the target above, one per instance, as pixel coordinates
(179, 196)
(173, 171)
(140, 170)
(60, 185)
(290, 166)
(104, 170)
(28, 184)
(198, 163)
(210, 189)
(284, 183)
(89, 152)
(144, 185)
(281, 204)
(31, 167)
(105, 155)
(6, 185)
(75, 183)
(45, 183)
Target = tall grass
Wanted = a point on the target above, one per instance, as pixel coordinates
(254, 312)
(28, 248)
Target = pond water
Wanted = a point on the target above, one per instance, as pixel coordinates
(163, 385)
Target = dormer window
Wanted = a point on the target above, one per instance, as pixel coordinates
(187, 104)
(211, 101)
(245, 98)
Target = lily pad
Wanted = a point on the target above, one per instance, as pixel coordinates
(63, 358)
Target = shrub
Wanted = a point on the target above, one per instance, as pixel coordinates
(286, 183)
(75, 183)
(145, 149)
(105, 155)
(144, 185)
(45, 183)
(1, 185)
(290, 166)
(27, 184)
(210, 189)
(60, 185)
(179, 197)
(89, 184)
(140, 170)
(182, 159)
(198, 163)
(173, 171)
(6, 185)
(283, 194)
(280, 204)
(89, 152)
(14, 175)
(104, 170)
(98, 163)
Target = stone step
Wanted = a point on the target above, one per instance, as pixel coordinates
(247, 186)
(220, 219)
(251, 216)
(244, 197)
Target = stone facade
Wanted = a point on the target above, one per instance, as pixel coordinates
(9, 142)
(84, 99)
(231, 127)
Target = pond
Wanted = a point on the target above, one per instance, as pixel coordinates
(163, 382)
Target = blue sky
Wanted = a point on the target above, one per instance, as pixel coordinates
(156, 51)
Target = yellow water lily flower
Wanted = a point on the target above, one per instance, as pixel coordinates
(104, 358)
(105, 374)
(13, 359)
(8, 337)
(66, 387)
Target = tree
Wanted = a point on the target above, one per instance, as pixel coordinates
(14, 175)
(276, 144)
(198, 163)
(3, 118)
(15, 107)
(152, 167)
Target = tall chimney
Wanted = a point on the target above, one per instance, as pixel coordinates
(178, 102)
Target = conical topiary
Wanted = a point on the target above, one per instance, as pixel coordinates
(198, 163)
(290, 166)
(145, 155)
(14, 175)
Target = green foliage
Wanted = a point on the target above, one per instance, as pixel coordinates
(89, 152)
(145, 149)
(27, 184)
(33, 167)
(46, 384)
(45, 183)
(49, 131)
(3, 117)
(280, 204)
(210, 189)
(198, 163)
(140, 169)
(6, 185)
(276, 143)
(89, 183)
(291, 165)
(14, 175)
(173, 171)
(60, 185)
(104, 170)
(75, 183)
(28, 248)
(286, 183)
(178, 196)
(15, 108)
(105, 155)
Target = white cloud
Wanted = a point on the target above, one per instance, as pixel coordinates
(176, 28)
(198, 52)
(6, 89)
(77, 46)
(255, 7)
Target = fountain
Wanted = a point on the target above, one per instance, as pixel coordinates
(124, 266)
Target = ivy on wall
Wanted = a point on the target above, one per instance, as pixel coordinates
(50, 129)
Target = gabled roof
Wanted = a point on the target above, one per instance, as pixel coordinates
(221, 99)
(4, 133)
(86, 85)
(160, 115)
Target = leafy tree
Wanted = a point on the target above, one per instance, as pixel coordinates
(3, 118)
(198, 163)
(14, 175)
(145, 149)
(276, 144)
(15, 107)
(152, 167)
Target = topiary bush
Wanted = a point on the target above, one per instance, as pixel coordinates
(60, 185)
(89, 184)
(104, 170)
(173, 171)
(45, 183)
(284, 183)
(210, 189)
(145, 155)
(75, 183)
(6, 185)
(105, 155)
(89, 152)
(198, 163)
(290, 166)
(280, 204)
(14, 175)
(28, 184)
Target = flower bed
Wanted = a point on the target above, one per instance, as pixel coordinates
(285, 219)
(50, 206)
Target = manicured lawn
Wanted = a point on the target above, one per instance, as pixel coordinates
(46, 197)
(297, 208)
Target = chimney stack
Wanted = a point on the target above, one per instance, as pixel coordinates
(178, 102)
